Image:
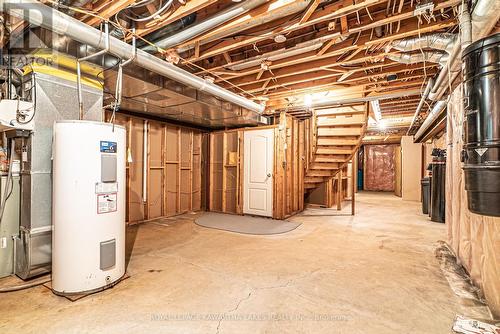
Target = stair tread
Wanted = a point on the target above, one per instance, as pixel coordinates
(339, 132)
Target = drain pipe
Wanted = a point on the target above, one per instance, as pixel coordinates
(204, 26)
(427, 90)
(44, 16)
(79, 70)
(433, 115)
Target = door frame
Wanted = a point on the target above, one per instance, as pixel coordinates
(271, 170)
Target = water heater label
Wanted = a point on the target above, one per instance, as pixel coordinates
(106, 203)
(106, 188)
(108, 146)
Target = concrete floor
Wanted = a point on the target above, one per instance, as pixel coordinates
(372, 273)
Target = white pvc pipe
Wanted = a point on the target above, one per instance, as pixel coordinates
(427, 90)
(145, 162)
(435, 112)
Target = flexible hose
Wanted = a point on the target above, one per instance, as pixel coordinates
(24, 286)
(152, 16)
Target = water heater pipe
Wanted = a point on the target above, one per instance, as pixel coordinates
(79, 71)
(145, 162)
(44, 16)
(435, 112)
(427, 90)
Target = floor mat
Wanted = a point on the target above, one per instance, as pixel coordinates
(245, 224)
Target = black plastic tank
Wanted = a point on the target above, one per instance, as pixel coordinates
(426, 194)
(438, 186)
(481, 153)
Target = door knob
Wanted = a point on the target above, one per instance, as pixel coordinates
(268, 174)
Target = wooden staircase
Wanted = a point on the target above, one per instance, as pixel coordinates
(336, 136)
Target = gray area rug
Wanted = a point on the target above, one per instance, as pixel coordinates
(245, 224)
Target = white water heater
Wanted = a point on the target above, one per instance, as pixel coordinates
(88, 199)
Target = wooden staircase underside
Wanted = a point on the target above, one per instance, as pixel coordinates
(337, 135)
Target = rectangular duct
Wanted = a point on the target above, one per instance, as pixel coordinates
(153, 96)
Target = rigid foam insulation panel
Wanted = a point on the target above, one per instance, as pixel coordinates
(411, 169)
(379, 168)
(174, 184)
(226, 168)
(474, 238)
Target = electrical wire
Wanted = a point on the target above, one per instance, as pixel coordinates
(162, 9)
(24, 286)
(33, 98)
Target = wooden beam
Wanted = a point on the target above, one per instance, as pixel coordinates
(227, 57)
(344, 26)
(197, 49)
(106, 10)
(322, 77)
(330, 59)
(309, 11)
(380, 19)
(337, 9)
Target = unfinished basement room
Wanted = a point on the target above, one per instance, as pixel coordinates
(250, 166)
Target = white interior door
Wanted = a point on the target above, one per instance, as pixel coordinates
(258, 172)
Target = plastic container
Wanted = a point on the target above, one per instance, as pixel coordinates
(481, 153)
(426, 194)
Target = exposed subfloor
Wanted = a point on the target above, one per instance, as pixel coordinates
(372, 273)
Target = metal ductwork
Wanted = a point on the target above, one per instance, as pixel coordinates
(298, 49)
(206, 25)
(435, 113)
(443, 42)
(425, 56)
(271, 14)
(144, 94)
(37, 13)
(478, 24)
